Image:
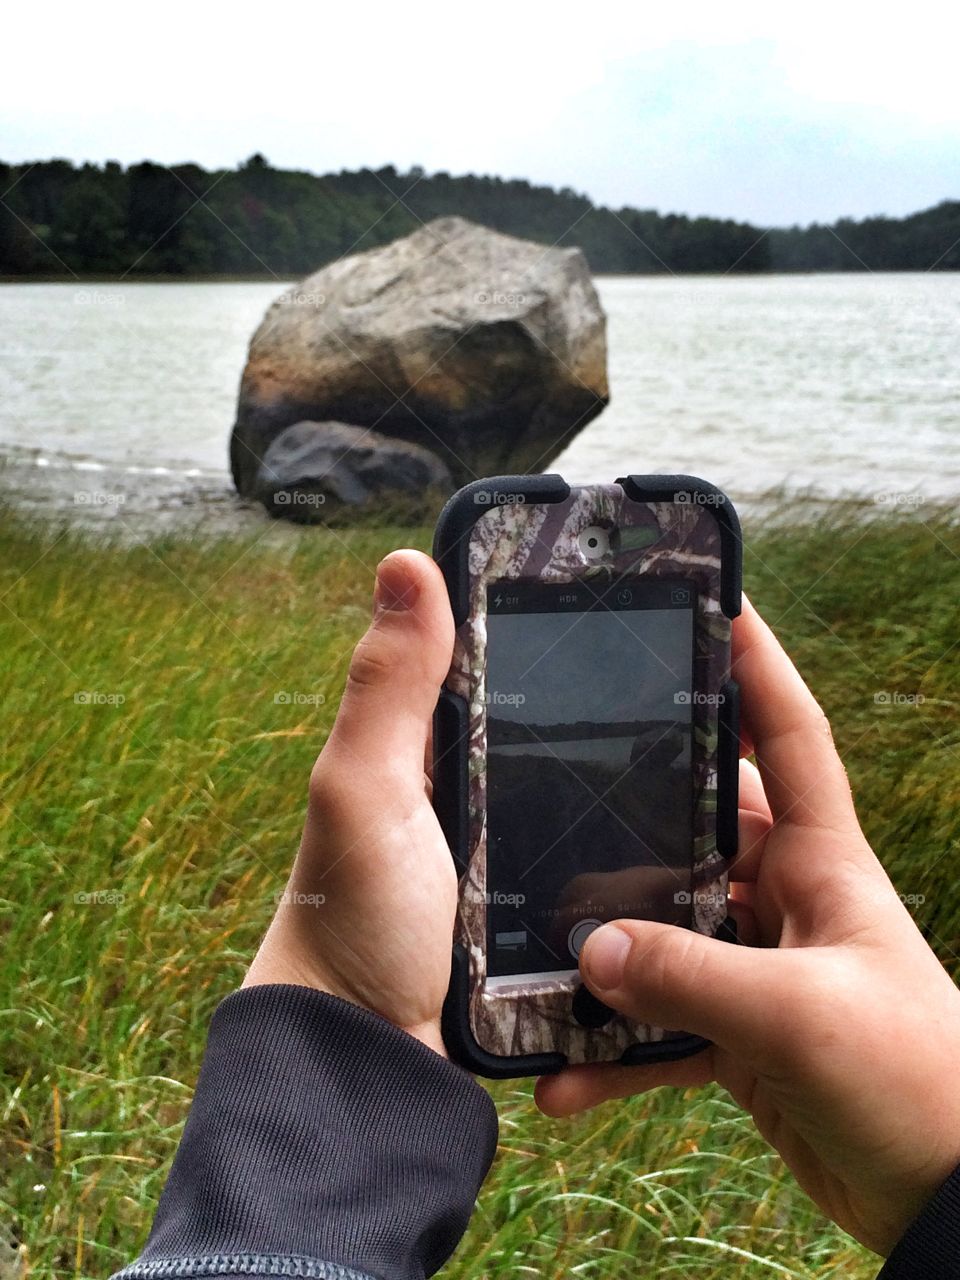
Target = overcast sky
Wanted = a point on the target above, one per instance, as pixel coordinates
(606, 666)
(772, 113)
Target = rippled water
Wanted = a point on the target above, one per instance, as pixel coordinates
(827, 384)
(832, 383)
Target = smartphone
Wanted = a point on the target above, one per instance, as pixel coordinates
(585, 749)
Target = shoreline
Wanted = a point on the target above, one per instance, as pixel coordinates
(134, 503)
(130, 504)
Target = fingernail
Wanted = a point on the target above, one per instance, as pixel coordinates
(605, 954)
(395, 590)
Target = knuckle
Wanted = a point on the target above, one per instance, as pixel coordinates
(655, 964)
(318, 788)
(371, 664)
(325, 789)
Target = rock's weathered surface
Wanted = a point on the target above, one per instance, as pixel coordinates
(314, 464)
(488, 350)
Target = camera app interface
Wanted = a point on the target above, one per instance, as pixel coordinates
(589, 765)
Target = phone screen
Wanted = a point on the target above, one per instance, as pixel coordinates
(589, 694)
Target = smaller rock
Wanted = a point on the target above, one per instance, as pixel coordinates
(312, 467)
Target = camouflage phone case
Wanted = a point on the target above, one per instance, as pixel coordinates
(526, 528)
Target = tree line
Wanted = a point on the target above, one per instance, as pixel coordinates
(59, 219)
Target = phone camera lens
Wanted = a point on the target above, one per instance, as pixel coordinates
(594, 543)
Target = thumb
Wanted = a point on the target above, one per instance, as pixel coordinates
(397, 669)
(675, 978)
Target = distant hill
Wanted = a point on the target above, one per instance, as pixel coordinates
(58, 219)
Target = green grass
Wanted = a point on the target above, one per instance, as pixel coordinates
(182, 806)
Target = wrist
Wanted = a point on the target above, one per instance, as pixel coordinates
(428, 1033)
(267, 970)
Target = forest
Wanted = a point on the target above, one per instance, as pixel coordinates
(61, 220)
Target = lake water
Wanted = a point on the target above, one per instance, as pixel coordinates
(823, 385)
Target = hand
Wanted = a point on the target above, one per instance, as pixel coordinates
(842, 1035)
(368, 911)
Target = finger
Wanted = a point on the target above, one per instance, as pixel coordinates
(428, 754)
(740, 906)
(754, 823)
(752, 795)
(754, 829)
(396, 670)
(579, 1088)
(676, 978)
(803, 777)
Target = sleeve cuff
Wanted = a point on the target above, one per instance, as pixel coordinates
(930, 1247)
(322, 1142)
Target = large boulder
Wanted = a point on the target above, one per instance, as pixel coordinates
(488, 350)
(312, 467)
